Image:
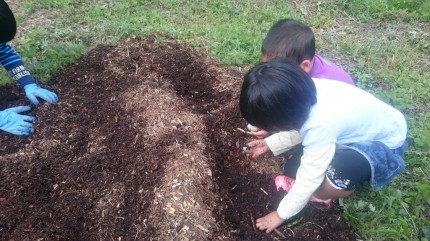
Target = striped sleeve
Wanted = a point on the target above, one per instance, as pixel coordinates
(12, 62)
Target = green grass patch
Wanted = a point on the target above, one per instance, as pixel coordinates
(387, 67)
(229, 30)
(405, 10)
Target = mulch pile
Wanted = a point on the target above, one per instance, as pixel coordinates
(143, 146)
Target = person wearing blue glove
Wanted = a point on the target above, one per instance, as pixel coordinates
(10, 119)
(12, 62)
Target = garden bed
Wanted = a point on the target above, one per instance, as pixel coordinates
(143, 145)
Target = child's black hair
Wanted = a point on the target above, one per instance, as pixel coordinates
(290, 39)
(7, 23)
(277, 96)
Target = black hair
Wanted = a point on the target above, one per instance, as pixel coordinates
(277, 96)
(7, 23)
(290, 39)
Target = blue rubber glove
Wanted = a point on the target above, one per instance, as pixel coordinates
(32, 91)
(15, 123)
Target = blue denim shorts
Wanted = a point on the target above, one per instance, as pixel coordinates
(355, 163)
(385, 163)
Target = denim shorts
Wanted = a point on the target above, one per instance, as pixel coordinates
(385, 163)
(355, 163)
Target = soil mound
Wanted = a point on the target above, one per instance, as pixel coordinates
(143, 146)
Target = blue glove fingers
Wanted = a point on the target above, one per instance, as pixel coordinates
(56, 99)
(19, 109)
(26, 118)
(32, 98)
(25, 124)
(50, 97)
(23, 131)
(33, 91)
(15, 123)
(29, 132)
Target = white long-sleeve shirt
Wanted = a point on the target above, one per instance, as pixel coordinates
(283, 141)
(343, 114)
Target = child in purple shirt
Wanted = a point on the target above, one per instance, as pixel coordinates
(295, 41)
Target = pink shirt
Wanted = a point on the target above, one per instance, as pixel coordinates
(325, 69)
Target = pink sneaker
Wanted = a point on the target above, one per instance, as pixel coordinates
(286, 183)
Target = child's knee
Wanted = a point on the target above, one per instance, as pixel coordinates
(328, 190)
(348, 169)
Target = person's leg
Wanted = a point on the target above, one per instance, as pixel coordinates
(348, 169)
(327, 191)
(293, 162)
(290, 167)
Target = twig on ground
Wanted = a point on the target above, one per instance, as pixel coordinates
(241, 130)
(263, 191)
(233, 77)
(410, 217)
(135, 139)
(253, 223)
(289, 229)
(279, 233)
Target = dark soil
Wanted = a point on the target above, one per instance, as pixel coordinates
(143, 146)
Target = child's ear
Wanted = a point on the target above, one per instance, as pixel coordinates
(264, 58)
(307, 65)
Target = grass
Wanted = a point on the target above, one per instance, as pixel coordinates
(406, 10)
(219, 29)
(392, 62)
(386, 41)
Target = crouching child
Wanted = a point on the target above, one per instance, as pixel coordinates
(349, 137)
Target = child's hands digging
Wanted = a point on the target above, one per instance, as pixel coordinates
(257, 148)
(269, 222)
(256, 132)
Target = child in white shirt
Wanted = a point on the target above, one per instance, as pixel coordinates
(280, 96)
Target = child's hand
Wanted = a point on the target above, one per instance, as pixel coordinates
(258, 148)
(269, 222)
(260, 134)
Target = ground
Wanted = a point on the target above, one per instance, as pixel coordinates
(144, 146)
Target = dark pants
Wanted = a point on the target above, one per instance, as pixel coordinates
(347, 169)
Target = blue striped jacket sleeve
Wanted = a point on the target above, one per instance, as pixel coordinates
(12, 62)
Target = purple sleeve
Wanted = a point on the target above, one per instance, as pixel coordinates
(12, 62)
(325, 69)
